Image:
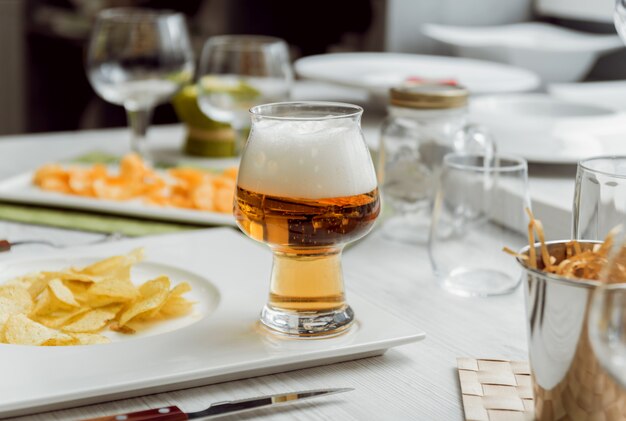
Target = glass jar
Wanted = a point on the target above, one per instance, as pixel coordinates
(425, 122)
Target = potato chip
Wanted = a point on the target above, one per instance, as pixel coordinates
(94, 320)
(118, 288)
(180, 289)
(176, 306)
(114, 267)
(21, 330)
(14, 300)
(153, 296)
(62, 293)
(116, 327)
(35, 283)
(70, 307)
(58, 319)
(90, 338)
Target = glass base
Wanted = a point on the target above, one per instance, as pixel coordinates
(307, 323)
(479, 282)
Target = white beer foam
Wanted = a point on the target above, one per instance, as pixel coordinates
(307, 159)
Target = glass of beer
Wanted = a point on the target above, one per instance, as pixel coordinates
(306, 187)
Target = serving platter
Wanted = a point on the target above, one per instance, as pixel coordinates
(219, 341)
(20, 189)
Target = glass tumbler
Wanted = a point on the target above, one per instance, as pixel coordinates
(306, 187)
(479, 208)
(600, 197)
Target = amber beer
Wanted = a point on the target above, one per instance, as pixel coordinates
(310, 232)
(306, 187)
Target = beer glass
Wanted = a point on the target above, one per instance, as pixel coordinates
(139, 58)
(600, 197)
(306, 187)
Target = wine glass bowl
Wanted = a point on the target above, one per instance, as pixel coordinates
(139, 58)
(237, 72)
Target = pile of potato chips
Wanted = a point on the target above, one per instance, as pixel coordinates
(179, 187)
(73, 306)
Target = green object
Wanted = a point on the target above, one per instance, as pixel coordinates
(205, 137)
(87, 221)
(96, 157)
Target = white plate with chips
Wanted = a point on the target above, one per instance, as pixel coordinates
(219, 341)
(20, 189)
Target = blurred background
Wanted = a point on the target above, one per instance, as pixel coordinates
(43, 86)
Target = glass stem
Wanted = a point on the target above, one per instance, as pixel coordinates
(139, 121)
(307, 282)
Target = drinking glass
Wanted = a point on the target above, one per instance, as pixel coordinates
(599, 197)
(238, 72)
(479, 208)
(139, 58)
(607, 329)
(619, 18)
(306, 187)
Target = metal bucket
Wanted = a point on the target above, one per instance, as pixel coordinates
(568, 381)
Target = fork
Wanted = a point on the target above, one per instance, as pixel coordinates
(6, 245)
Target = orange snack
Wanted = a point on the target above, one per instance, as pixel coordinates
(578, 263)
(179, 187)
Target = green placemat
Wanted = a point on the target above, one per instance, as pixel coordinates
(88, 221)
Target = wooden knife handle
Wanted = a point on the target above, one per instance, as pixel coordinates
(5, 245)
(168, 413)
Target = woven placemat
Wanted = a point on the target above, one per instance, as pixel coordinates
(496, 390)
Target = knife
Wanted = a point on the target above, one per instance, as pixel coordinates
(174, 413)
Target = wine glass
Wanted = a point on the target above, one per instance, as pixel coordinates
(238, 72)
(607, 329)
(607, 315)
(139, 58)
(619, 18)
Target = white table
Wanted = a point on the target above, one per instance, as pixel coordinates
(416, 381)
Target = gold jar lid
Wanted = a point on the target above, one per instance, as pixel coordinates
(428, 96)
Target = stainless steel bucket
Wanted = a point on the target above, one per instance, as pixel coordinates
(568, 381)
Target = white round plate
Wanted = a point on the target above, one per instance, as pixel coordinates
(377, 72)
(544, 129)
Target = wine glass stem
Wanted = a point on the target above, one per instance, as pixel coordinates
(139, 121)
(241, 129)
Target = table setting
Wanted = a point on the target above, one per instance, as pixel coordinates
(353, 235)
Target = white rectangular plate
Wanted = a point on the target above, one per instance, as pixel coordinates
(220, 341)
(20, 189)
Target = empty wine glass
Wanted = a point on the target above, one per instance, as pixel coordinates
(607, 315)
(238, 72)
(139, 58)
(607, 329)
(619, 18)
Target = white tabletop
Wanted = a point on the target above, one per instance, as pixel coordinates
(416, 381)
